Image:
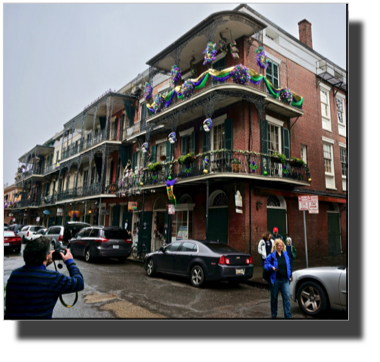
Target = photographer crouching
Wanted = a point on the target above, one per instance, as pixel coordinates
(32, 291)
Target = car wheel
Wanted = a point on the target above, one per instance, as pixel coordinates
(122, 260)
(312, 298)
(150, 268)
(87, 255)
(197, 276)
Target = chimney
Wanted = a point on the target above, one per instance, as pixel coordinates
(304, 28)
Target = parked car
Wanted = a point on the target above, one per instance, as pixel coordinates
(16, 228)
(62, 234)
(317, 289)
(200, 261)
(38, 234)
(100, 241)
(12, 242)
(27, 231)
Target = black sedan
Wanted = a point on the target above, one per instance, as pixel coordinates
(200, 261)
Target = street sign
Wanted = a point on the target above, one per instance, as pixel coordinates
(313, 205)
(303, 203)
(171, 209)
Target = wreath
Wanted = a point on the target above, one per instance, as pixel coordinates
(175, 74)
(240, 74)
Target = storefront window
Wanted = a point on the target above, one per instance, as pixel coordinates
(184, 225)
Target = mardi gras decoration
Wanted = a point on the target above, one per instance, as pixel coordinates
(206, 164)
(223, 44)
(193, 71)
(261, 58)
(175, 74)
(286, 96)
(148, 91)
(207, 123)
(240, 74)
(169, 189)
(158, 103)
(144, 147)
(187, 89)
(234, 50)
(172, 137)
(253, 166)
(210, 53)
(220, 76)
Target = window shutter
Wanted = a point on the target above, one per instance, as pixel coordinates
(263, 136)
(183, 145)
(134, 161)
(118, 169)
(193, 142)
(286, 146)
(168, 150)
(206, 137)
(228, 136)
(154, 154)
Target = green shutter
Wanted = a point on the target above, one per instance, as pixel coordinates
(228, 135)
(134, 161)
(263, 136)
(206, 137)
(193, 142)
(286, 146)
(183, 145)
(168, 150)
(154, 154)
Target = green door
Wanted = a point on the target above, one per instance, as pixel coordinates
(51, 221)
(334, 233)
(116, 215)
(218, 225)
(145, 229)
(59, 220)
(127, 217)
(87, 219)
(277, 218)
(67, 218)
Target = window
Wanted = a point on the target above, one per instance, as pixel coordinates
(173, 247)
(57, 158)
(218, 139)
(274, 142)
(341, 114)
(329, 162)
(189, 247)
(85, 177)
(325, 107)
(304, 153)
(161, 150)
(272, 74)
(343, 162)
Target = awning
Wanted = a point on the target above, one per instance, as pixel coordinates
(46, 212)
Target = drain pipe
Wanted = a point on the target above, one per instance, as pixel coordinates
(207, 192)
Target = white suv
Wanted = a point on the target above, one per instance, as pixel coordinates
(27, 231)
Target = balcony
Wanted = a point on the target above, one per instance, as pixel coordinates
(90, 190)
(240, 164)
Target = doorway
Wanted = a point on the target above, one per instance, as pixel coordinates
(333, 224)
(276, 215)
(218, 217)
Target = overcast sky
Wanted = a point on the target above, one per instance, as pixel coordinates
(58, 58)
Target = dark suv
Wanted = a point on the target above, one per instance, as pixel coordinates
(102, 241)
(16, 228)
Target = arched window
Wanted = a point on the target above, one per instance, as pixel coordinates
(159, 205)
(185, 199)
(274, 201)
(218, 199)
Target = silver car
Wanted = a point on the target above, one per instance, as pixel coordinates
(62, 234)
(28, 231)
(317, 289)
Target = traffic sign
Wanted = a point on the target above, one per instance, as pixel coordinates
(313, 205)
(303, 203)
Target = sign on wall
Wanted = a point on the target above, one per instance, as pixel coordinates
(171, 209)
(132, 205)
(309, 203)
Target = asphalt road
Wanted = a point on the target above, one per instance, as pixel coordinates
(114, 290)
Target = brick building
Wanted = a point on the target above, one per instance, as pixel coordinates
(277, 132)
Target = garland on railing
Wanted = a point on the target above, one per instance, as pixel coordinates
(239, 73)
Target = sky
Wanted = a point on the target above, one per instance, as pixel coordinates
(58, 58)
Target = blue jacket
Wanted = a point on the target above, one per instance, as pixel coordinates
(271, 261)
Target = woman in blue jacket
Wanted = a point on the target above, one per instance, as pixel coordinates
(278, 263)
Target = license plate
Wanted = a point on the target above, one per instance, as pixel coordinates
(6, 244)
(116, 246)
(240, 271)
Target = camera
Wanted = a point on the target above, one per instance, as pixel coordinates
(57, 250)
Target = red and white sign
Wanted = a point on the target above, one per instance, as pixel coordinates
(303, 203)
(171, 209)
(313, 205)
(310, 203)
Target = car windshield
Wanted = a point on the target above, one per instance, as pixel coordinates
(8, 233)
(35, 228)
(42, 231)
(221, 248)
(116, 234)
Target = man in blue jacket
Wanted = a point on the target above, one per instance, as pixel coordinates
(32, 291)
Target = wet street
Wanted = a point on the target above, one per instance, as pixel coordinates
(114, 290)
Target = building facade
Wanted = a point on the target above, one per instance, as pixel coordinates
(278, 131)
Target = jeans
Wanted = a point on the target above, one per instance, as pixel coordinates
(283, 286)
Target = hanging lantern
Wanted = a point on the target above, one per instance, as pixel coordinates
(172, 137)
(207, 123)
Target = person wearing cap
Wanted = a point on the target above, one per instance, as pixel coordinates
(276, 235)
(291, 251)
(265, 247)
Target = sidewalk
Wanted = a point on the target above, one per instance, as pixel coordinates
(257, 280)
